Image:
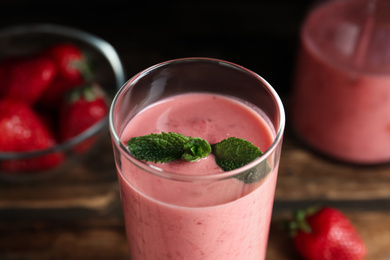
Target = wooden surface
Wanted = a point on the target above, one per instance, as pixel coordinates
(78, 215)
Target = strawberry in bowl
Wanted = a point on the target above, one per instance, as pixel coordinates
(23, 131)
(84, 107)
(48, 74)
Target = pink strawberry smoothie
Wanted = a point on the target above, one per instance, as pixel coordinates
(341, 97)
(208, 220)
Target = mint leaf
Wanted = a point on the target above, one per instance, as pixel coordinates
(233, 153)
(166, 147)
(196, 148)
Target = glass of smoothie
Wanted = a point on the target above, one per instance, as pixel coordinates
(193, 209)
(341, 97)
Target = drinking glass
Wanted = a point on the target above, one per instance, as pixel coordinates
(178, 216)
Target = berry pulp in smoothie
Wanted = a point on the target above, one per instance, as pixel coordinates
(210, 219)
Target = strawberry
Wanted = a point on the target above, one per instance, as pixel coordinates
(70, 61)
(72, 71)
(22, 131)
(84, 107)
(26, 78)
(326, 234)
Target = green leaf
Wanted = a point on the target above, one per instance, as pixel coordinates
(195, 149)
(164, 147)
(233, 153)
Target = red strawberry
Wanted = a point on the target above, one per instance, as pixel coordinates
(326, 234)
(70, 61)
(26, 78)
(22, 130)
(85, 107)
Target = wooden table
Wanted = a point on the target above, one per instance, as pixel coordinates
(78, 215)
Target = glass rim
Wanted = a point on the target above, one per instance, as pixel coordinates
(197, 178)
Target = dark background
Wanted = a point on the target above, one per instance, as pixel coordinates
(260, 35)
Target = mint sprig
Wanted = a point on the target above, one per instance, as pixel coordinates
(230, 154)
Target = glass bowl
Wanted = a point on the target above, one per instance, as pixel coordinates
(109, 73)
